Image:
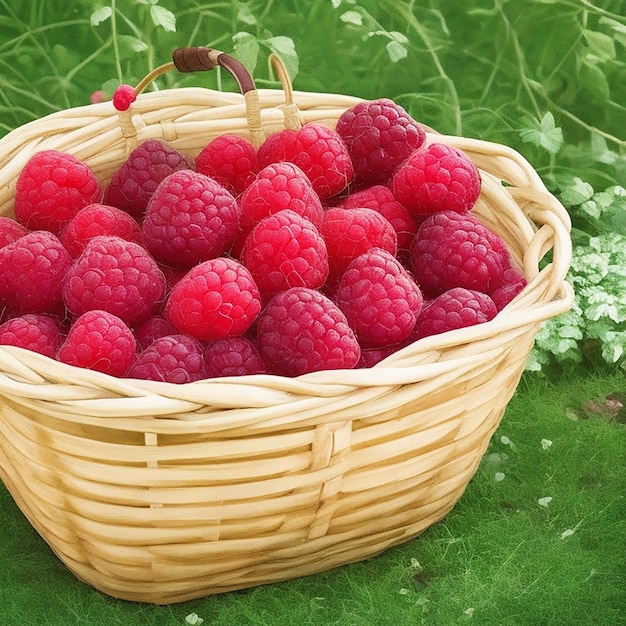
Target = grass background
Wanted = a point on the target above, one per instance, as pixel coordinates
(506, 555)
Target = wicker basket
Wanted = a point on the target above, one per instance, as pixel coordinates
(161, 493)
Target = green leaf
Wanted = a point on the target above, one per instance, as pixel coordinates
(131, 45)
(100, 15)
(163, 17)
(396, 51)
(600, 44)
(576, 192)
(352, 17)
(594, 80)
(544, 133)
(285, 48)
(245, 15)
(246, 50)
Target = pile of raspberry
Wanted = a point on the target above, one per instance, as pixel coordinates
(323, 248)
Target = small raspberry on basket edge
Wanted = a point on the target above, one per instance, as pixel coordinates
(38, 332)
(32, 271)
(99, 341)
(215, 299)
(379, 298)
(116, 276)
(190, 218)
(51, 188)
(233, 356)
(379, 135)
(176, 358)
(134, 182)
(301, 330)
(437, 177)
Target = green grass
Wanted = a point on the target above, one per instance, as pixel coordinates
(500, 557)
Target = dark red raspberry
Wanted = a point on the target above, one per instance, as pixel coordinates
(379, 135)
(513, 281)
(373, 356)
(34, 331)
(437, 178)
(456, 250)
(147, 165)
(285, 250)
(301, 330)
(215, 299)
(230, 160)
(10, 231)
(456, 308)
(116, 276)
(153, 328)
(380, 199)
(32, 273)
(94, 220)
(348, 233)
(189, 219)
(99, 341)
(317, 150)
(379, 298)
(51, 188)
(233, 356)
(172, 359)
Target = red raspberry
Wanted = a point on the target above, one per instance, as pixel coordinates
(380, 199)
(456, 308)
(172, 359)
(317, 150)
(373, 356)
(32, 272)
(34, 331)
(99, 341)
(98, 219)
(437, 178)
(456, 250)
(51, 188)
(351, 232)
(285, 250)
(147, 165)
(379, 135)
(215, 299)
(230, 160)
(10, 231)
(117, 276)
(189, 219)
(513, 281)
(301, 330)
(379, 299)
(153, 328)
(233, 356)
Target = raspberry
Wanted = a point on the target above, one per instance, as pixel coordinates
(123, 97)
(117, 276)
(233, 356)
(380, 199)
(51, 188)
(285, 250)
(456, 308)
(456, 250)
(98, 219)
(147, 165)
(317, 150)
(99, 341)
(513, 281)
(379, 299)
(153, 328)
(372, 356)
(230, 160)
(32, 271)
(437, 178)
(189, 219)
(301, 330)
(34, 331)
(174, 358)
(379, 135)
(215, 299)
(10, 231)
(351, 232)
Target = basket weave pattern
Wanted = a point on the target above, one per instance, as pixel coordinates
(162, 493)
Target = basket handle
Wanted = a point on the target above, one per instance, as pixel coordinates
(195, 59)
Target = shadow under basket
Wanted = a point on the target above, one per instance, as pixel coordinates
(161, 493)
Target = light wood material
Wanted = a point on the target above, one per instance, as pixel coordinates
(161, 493)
